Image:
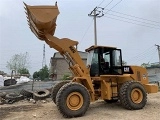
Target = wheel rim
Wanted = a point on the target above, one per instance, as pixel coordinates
(136, 95)
(74, 101)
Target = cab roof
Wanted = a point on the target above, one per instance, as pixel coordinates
(95, 46)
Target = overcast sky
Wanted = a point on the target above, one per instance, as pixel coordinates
(136, 37)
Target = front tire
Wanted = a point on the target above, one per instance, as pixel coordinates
(73, 100)
(132, 95)
(56, 88)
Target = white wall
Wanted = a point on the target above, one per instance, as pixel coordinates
(1, 81)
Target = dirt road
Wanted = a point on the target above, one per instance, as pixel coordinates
(47, 110)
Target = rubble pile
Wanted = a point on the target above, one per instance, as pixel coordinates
(31, 96)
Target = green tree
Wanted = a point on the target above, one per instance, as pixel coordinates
(153, 65)
(23, 71)
(66, 77)
(36, 75)
(42, 74)
(145, 65)
(18, 62)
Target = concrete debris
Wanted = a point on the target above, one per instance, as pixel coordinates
(32, 101)
(43, 101)
(34, 115)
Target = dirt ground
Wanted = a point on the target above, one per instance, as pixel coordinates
(99, 110)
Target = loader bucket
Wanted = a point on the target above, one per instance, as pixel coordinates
(42, 19)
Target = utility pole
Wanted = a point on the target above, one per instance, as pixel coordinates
(158, 48)
(96, 12)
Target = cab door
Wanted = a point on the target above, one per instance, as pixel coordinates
(113, 62)
(116, 62)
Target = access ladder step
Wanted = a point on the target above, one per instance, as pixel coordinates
(114, 97)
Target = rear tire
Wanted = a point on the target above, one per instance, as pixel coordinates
(73, 100)
(132, 95)
(56, 88)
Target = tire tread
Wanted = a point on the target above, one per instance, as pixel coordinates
(60, 96)
(123, 94)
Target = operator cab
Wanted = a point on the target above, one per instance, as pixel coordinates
(104, 61)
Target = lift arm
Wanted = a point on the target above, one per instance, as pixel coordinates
(42, 22)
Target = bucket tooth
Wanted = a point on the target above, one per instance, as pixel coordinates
(41, 19)
(24, 3)
(26, 13)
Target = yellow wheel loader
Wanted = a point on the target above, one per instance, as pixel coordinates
(104, 77)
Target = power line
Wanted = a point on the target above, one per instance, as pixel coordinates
(108, 4)
(142, 59)
(131, 22)
(142, 55)
(86, 31)
(144, 52)
(133, 16)
(146, 55)
(113, 7)
(152, 56)
(98, 13)
(100, 3)
(90, 24)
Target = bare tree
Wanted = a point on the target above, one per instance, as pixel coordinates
(18, 62)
